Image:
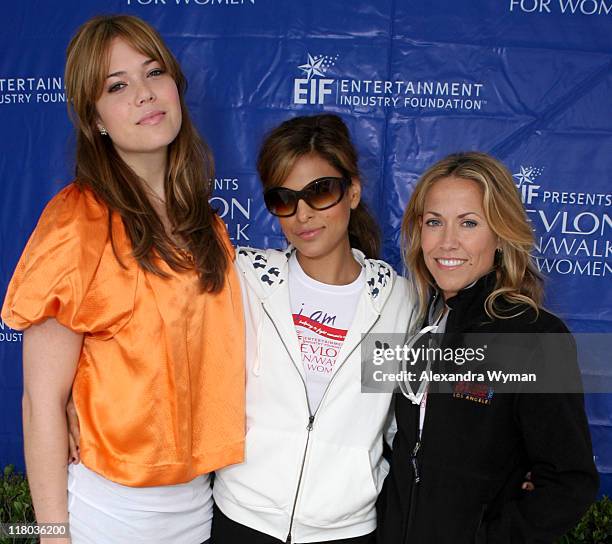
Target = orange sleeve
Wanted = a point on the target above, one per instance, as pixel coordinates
(58, 263)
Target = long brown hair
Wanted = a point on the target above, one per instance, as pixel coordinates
(99, 167)
(328, 137)
(517, 279)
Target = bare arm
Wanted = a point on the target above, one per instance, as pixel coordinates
(50, 356)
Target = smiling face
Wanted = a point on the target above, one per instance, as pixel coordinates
(319, 234)
(139, 106)
(457, 242)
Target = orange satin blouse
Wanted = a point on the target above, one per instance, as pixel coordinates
(159, 386)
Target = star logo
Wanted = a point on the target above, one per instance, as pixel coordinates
(313, 67)
(527, 174)
(317, 65)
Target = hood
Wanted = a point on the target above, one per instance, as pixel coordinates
(266, 270)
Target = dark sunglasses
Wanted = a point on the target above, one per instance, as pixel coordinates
(320, 194)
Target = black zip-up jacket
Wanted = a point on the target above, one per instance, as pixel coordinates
(472, 457)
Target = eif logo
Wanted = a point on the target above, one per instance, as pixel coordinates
(315, 86)
(526, 176)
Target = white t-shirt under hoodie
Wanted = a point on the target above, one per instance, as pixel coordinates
(322, 315)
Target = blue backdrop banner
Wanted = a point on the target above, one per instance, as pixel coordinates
(529, 81)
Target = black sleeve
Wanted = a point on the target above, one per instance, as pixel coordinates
(558, 446)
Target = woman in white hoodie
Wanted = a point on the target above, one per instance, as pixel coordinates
(313, 462)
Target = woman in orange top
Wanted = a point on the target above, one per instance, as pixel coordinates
(126, 288)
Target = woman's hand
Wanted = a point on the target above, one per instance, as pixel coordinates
(74, 433)
(527, 484)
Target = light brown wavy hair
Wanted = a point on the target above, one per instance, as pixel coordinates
(327, 136)
(518, 282)
(99, 167)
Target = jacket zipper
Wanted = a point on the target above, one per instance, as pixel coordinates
(483, 511)
(311, 416)
(414, 459)
(291, 358)
(413, 492)
(297, 491)
(345, 360)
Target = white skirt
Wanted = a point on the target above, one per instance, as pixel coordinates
(105, 512)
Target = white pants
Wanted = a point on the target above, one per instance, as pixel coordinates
(104, 512)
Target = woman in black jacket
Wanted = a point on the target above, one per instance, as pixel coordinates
(461, 453)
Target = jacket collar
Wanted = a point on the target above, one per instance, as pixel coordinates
(468, 305)
(267, 270)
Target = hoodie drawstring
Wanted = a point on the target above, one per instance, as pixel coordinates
(257, 363)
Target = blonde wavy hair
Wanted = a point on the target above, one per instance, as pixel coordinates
(518, 282)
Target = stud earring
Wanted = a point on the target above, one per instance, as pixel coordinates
(103, 131)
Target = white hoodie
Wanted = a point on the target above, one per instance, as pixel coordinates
(309, 477)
